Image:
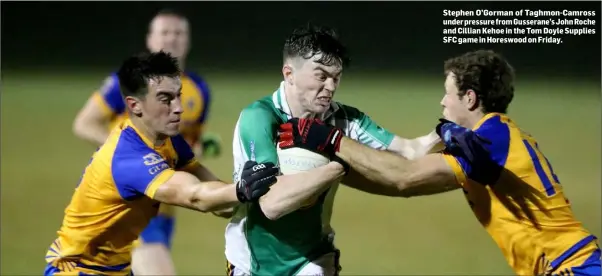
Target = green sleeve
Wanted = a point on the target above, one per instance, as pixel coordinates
(364, 130)
(256, 129)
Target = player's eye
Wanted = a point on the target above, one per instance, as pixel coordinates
(322, 77)
(165, 100)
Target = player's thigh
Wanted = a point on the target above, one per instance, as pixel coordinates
(327, 265)
(232, 270)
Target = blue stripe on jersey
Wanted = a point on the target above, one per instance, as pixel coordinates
(183, 151)
(571, 251)
(547, 184)
(112, 95)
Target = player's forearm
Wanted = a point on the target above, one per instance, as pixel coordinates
(417, 147)
(427, 144)
(398, 176)
(382, 168)
(215, 196)
(185, 190)
(290, 192)
(225, 213)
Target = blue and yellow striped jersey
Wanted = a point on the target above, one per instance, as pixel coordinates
(113, 202)
(196, 100)
(525, 210)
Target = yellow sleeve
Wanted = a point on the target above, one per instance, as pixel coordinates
(159, 180)
(455, 165)
(192, 164)
(106, 110)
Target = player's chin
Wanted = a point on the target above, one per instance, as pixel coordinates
(172, 130)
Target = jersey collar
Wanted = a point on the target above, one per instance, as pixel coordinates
(128, 123)
(487, 117)
(280, 102)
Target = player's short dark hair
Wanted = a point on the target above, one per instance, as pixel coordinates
(136, 71)
(487, 73)
(310, 40)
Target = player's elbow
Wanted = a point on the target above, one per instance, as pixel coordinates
(272, 209)
(79, 127)
(200, 203)
(405, 185)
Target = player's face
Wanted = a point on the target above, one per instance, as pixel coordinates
(455, 108)
(315, 84)
(162, 107)
(170, 34)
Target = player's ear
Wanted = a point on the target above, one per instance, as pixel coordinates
(287, 73)
(471, 99)
(133, 104)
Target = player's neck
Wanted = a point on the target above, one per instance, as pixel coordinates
(147, 134)
(473, 120)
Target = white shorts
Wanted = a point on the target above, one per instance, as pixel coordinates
(327, 265)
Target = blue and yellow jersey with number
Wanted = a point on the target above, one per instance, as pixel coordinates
(196, 100)
(113, 202)
(525, 210)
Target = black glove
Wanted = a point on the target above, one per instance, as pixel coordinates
(313, 135)
(255, 180)
(462, 141)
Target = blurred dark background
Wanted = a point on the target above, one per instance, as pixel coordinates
(241, 35)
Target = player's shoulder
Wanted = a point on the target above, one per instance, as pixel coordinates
(110, 83)
(497, 129)
(198, 79)
(344, 111)
(127, 144)
(261, 108)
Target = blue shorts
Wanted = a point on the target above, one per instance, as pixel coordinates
(159, 230)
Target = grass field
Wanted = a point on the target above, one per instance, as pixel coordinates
(42, 161)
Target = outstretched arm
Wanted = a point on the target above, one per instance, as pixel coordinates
(394, 174)
(417, 147)
(92, 121)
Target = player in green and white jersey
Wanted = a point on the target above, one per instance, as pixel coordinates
(288, 231)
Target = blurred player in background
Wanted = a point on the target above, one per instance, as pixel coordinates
(168, 31)
(288, 232)
(508, 182)
(143, 163)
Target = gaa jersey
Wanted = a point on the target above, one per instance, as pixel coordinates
(196, 100)
(260, 246)
(525, 209)
(113, 202)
